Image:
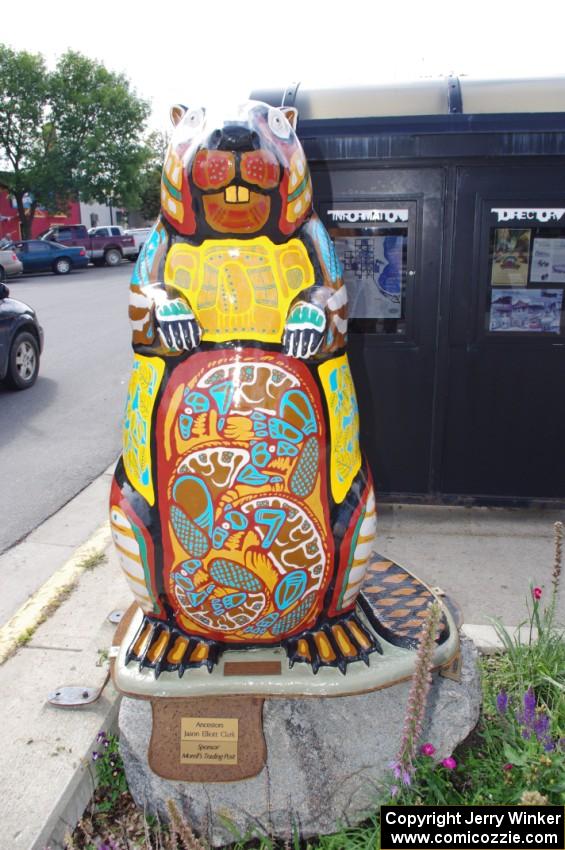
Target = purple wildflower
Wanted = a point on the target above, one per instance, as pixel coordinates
(529, 707)
(549, 745)
(427, 749)
(95, 755)
(101, 736)
(406, 778)
(394, 790)
(502, 702)
(449, 763)
(396, 769)
(541, 726)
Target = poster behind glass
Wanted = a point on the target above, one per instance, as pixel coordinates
(520, 260)
(374, 269)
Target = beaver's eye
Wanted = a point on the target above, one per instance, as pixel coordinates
(278, 124)
(194, 118)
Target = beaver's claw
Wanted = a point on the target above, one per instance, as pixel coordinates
(177, 326)
(304, 330)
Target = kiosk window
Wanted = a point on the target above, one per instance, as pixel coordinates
(527, 280)
(374, 271)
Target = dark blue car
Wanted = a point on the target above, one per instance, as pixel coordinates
(21, 341)
(38, 255)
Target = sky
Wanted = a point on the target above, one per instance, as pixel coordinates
(214, 50)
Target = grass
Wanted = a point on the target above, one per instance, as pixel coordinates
(89, 562)
(93, 560)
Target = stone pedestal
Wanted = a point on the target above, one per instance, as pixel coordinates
(327, 759)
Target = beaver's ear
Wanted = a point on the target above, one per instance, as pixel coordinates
(291, 115)
(177, 112)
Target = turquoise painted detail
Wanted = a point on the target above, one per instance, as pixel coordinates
(294, 617)
(329, 256)
(188, 534)
(233, 575)
(223, 396)
(263, 625)
(297, 404)
(285, 449)
(176, 309)
(197, 401)
(192, 565)
(219, 537)
(260, 454)
(281, 430)
(290, 589)
(205, 520)
(226, 603)
(250, 475)
(145, 564)
(303, 478)
(306, 315)
(237, 520)
(185, 425)
(273, 519)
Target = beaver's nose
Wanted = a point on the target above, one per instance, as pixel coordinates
(234, 137)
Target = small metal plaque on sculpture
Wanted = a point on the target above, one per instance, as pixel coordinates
(209, 740)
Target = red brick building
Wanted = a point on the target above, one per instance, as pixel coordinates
(10, 225)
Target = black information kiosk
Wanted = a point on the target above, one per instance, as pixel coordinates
(446, 202)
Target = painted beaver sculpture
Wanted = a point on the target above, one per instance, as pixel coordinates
(242, 507)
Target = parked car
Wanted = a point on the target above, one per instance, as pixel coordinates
(21, 342)
(100, 249)
(139, 235)
(10, 265)
(40, 256)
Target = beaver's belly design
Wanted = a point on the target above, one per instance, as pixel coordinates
(247, 546)
(240, 289)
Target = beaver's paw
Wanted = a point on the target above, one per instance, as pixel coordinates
(177, 326)
(336, 644)
(304, 330)
(162, 647)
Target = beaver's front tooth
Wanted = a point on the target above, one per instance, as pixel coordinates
(242, 194)
(230, 195)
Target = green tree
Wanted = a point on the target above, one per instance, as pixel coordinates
(149, 186)
(77, 130)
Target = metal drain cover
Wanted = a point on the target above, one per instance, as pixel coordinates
(73, 695)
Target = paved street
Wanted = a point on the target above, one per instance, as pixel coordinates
(62, 433)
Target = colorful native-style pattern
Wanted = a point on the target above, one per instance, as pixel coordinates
(246, 539)
(242, 509)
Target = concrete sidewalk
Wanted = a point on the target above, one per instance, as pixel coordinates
(483, 558)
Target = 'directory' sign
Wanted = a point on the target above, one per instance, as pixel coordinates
(531, 214)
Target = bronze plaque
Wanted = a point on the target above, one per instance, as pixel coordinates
(189, 742)
(209, 740)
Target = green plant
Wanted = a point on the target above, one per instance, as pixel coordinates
(109, 770)
(403, 767)
(93, 560)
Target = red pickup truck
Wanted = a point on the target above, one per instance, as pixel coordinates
(109, 249)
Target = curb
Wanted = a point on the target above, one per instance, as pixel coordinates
(33, 612)
(74, 799)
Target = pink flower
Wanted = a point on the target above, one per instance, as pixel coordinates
(537, 592)
(449, 763)
(507, 766)
(427, 749)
